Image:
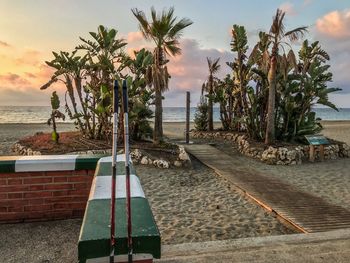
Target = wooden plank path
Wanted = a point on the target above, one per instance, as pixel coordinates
(306, 212)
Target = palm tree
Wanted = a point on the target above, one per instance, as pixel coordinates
(164, 31)
(213, 67)
(277, 35)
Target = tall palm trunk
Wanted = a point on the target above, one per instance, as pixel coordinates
(270, 126)
(210, 105)
(158, 117)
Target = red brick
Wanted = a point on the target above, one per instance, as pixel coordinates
(91, 173)
(16, 209)
(62, 199)
(14, 181)
(13, 202)
(35, 216)
(80, 172)
(78, 186)
(60, 193)
(81, 192)
(40, 180)
(12, 188)
(44, 207)
(3, 196)
(11, 217)
(36, 201)
(60, 179)
(3, 182)
(57, 173)
(3, 209)
(59, 214)
(69, 206)
(14, 195)
(58, 186)
(37, 187)
(80, 178)
(37, 194)
(78, 213)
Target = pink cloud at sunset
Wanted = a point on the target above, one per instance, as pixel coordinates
(288, 8)
(13, 80)
(29, 57)
(335, 24)
(4, 44)
(134, 37)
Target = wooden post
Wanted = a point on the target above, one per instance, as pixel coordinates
(322, 152)
(312, 153)
(187, 117)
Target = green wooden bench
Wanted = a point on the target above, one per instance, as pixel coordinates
(94, 239)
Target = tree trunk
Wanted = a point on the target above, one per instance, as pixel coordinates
(270, 127)
(158, 118)
(210, 115)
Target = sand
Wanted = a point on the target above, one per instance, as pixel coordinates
(189, 205)
(196, 205)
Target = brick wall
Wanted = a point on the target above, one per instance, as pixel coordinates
(37, 196)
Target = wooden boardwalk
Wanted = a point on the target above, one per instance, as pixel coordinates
(304, 211)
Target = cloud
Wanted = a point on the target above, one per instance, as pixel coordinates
(288, 8)
(335, 24)
(13, 80)
(307, 2)
(29, 57)
(134, 36)
(333, 32)
(4, 44)
(190, 70)
(24, 96)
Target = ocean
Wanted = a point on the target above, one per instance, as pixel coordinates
(40, 114)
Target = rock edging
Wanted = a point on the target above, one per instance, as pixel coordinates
(287, 155)
(138, 156)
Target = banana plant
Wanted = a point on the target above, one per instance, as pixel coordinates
(55, 114)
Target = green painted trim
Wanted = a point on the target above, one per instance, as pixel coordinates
(82, 162)
(8, 164)
(105, 169)
(95, 230)
(87, 162)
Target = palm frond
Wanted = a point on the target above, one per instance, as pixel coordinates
(296, 34)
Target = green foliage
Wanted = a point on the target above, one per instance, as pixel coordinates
(201, 115)
(165, 30)
(300, 91)
(55, 114)
(300, 85)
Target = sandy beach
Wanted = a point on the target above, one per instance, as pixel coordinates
(189, 205)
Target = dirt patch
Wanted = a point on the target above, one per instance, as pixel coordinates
(69, 142)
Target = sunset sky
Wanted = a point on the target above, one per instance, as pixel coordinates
(30, 30)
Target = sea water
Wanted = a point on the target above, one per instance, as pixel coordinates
(40, 114)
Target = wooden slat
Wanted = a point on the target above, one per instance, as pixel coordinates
(306, 212)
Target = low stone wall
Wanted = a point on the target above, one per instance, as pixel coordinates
(288, 155)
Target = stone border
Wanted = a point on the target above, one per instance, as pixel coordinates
(139, 156)
(287, 155)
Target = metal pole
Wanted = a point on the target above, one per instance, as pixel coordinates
(127, 170)
(188, 117)
(114, 170)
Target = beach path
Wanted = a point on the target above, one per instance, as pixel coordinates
(304, 211)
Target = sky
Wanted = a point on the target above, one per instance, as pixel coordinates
(31, 30)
